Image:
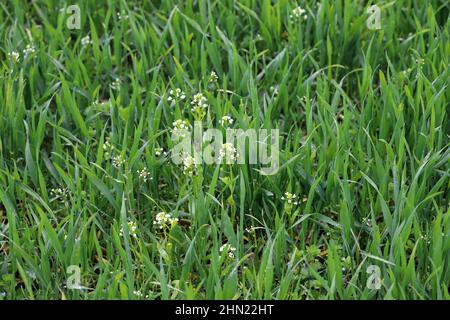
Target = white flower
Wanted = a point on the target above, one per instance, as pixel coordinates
(213, 77)
(137, 293)
(229, 152)
(132, 227)
(297, 13)
(29, 49)
(228, 249)
(199, 104)
(14, 56)
(226, 120)
(160, 151)
(180, 124)
(163, 220)
(291, 198)
(250, 229)
(107, 148)
(199, 100)
(425, 238)
(86, 41)
(116, 84)
(274, 90)
(176, 95)
(107, 145)
(189, 165)
(122, 15)
(180, 128)
(143, 174)
(118, 161)
(60, 194)
(366, 221)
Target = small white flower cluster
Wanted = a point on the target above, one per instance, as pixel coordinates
(274, 91)
(138, 293)
(180, 128)
(346, 263)
(250, 230)
(228, 249)
(164, 220)
(298, 13)
(86, 41)
(132, 228)
(213, 77)
(14, 56)
(226, 120)
(160, 151)
(122, 15)
(118, 161)
(291, 198)
(143, 174)
(229, 152)
(116, 84)
(107, 149)
(420, 62)
(199, 100)
(189, 165)
(176, 95)
(60, 194)
(29, 49)
(199, 104)
(366, 221)
(425, 238)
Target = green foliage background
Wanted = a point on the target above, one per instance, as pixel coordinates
(365, 136)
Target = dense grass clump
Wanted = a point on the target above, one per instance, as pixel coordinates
(87, 180)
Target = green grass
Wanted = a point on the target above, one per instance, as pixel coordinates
(365, 135)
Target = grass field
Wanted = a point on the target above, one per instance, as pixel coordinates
(93, 207)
